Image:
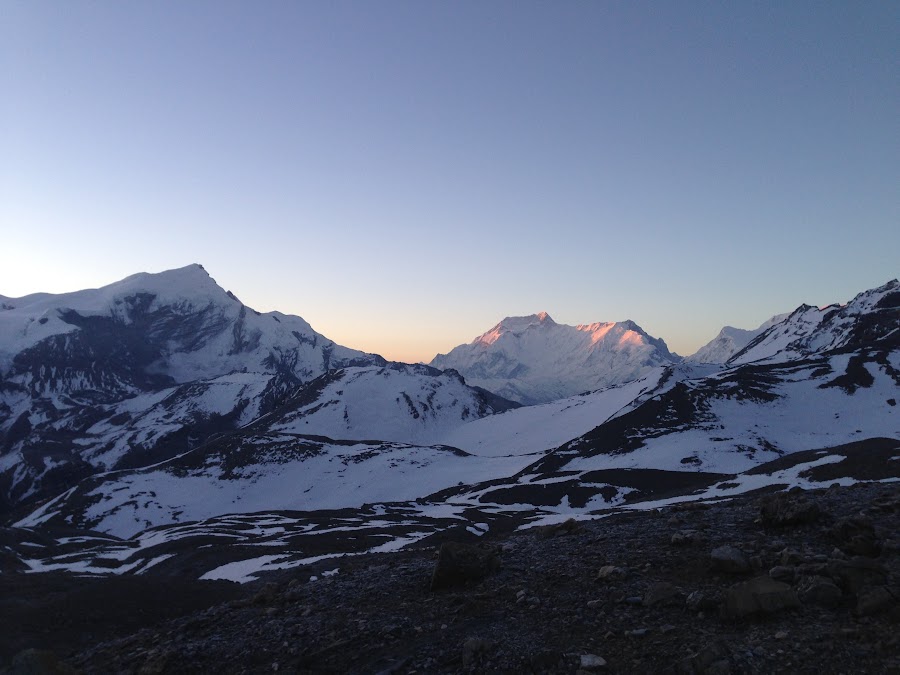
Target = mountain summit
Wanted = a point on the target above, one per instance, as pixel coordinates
(532, 359)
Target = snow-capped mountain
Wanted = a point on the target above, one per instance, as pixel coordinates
(811, 400)
(533, 359)
(872, 318)
(138, 371)
(730, 341)
(152, 330)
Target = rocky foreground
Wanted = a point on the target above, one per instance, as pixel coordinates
(800, 582)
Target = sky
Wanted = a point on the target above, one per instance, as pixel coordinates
(405, 174)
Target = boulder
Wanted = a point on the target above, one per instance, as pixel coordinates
(730, 560)
(760, 595)
(875, 600)
(663, 593)
(704, 600)
(856, 536)
(459, 563)
(856, 573)
(820, 591)
(786, 509)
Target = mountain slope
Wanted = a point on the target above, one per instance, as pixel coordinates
(533, 359)
(396, 402)
(872, 318)
(139, 371)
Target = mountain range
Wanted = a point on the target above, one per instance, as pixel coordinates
(160, 409)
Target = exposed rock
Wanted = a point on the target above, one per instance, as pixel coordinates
(760, 595)
(790, 556)
(786, 509)
(704, 600)
(39, 662)
(473, 649)
(686, 538)
(856, 536)
(784, 573)
(663, 593)
(569, 526)
(875, 600)
(819, 591)
(857, 572)
(730, 560)
(712, 659)
(460, 563)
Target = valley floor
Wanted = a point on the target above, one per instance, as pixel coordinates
(636, 592)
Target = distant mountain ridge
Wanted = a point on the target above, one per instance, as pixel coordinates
(532, 359)
(730, 341)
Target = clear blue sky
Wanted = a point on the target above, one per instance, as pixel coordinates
(405, 174)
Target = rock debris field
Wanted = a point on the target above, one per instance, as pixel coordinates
(798, 582)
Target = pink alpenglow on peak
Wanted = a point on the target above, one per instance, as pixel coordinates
(533, 359)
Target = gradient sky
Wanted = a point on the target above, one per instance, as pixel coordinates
(405, 174)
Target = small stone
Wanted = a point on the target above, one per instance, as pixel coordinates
(611, 573)
(592, 662)
(666, 628)
(634, 600)
(593, 604)
(638, 632)
(781, 635)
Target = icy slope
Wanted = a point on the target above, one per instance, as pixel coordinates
(541, 427)
(533, 359)
(396, 402)
(250, 473)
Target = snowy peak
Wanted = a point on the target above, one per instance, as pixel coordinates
(516, 325)
(533, 359)
(730, 341)
(179, 324)
(872, 318)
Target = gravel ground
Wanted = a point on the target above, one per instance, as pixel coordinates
(797, 583)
